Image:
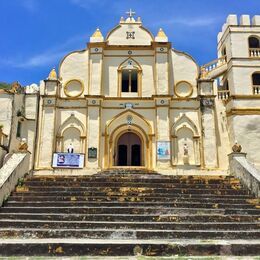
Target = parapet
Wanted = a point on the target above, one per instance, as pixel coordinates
(245, 20)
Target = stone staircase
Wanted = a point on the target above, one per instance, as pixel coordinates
(110, 214)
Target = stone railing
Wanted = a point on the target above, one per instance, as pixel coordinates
(254, 52)
(245, 171)
(16, 167)
(256, 90)
(214, 64)
(223, 94)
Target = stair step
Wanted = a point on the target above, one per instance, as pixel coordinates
(87, 247)
(128, 234)
(104, 199)
(133, 184)
(130, 217)
(131, 204)
(128, 210)
(27, 224)
(135, 189)
(140, 195)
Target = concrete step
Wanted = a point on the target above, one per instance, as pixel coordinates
(165, 248)
(124, 191)
(130, 217)
(199, 199)
(137, 178)
(225, 226)
(139, 197)
(128, 210)
(127, 234)
(233, 185)
(131, 204)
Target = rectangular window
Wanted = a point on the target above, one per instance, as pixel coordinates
(125, 81)
(133, 81)
(129, 81)
(19, 128)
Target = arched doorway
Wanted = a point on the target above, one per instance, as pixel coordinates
(129, 150)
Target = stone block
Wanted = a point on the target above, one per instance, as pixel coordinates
(220, 34)
(224, 27)
(256, 20)
(245, 20)
(232, 19)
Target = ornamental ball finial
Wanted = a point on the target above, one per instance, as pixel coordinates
(236, 148)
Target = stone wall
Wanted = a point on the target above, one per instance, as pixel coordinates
(245, 171)
(16, 167)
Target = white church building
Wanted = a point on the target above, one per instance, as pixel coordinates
(131, 100)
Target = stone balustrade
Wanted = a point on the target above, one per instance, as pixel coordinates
(16, 167)
(254, 52)
(256, 89)
(223, 94)
(214, 64)
(241, 168)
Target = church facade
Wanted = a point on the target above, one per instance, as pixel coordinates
(131, 100)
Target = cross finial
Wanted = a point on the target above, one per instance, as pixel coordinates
(130, 13)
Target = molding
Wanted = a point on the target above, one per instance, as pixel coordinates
(190, 92)
(66, 86)
(244, 97)
(243, 111)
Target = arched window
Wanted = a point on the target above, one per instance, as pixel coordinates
(253, 42)
(254, 47)
(224, 52)
(225, 85)
(129, 74)
(256, 78)
(256, 83)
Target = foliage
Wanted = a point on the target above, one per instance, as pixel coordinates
(20, 182)
(4, 85)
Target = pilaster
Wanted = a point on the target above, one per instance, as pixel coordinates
(163, 127)
(46, 129)
(94, 132)
(95, 67)
(207, 106)
(162, 68)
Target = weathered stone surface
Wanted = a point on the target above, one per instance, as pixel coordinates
(118, 208)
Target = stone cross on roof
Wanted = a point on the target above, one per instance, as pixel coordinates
(130, 13)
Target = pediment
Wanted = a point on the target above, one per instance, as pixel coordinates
(130, 34)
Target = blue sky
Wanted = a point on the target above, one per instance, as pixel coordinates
(36, 34)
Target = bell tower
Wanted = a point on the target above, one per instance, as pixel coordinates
(239, 43)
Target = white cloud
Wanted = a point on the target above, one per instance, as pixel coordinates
(47, 57)
(191, 21)
(88, 4)
(29, 5)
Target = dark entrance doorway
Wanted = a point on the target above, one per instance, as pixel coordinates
(129, 150)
